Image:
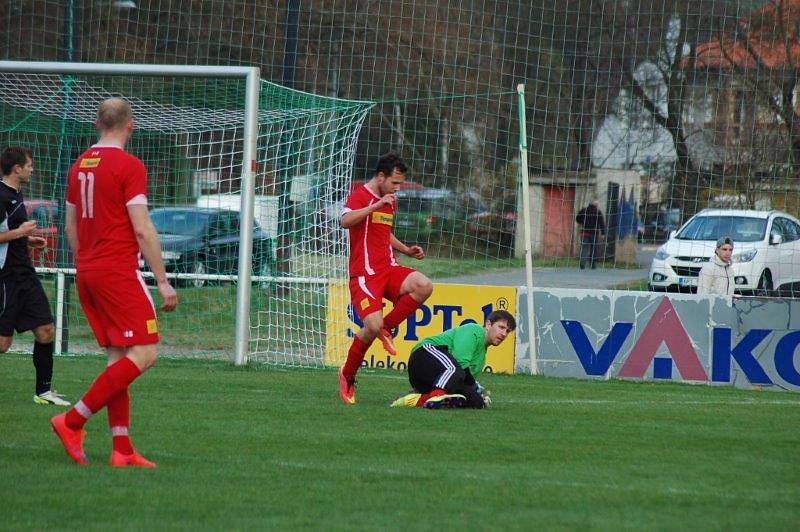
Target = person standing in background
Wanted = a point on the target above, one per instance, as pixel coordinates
(716, 275)
(593, 226)
(23, 302)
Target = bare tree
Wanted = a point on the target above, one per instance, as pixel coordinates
(665, 35)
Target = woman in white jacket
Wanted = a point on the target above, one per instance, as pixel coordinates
(716, 276)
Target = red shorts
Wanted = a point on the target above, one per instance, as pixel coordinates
(118, 307)
(367, 291)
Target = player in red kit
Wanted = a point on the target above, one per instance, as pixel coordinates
(108, 225)
(374, 273)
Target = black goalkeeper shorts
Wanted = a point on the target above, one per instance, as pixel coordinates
(431, 367)
(23, 305)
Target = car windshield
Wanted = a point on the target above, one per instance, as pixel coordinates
(739, 228)
(188, 223)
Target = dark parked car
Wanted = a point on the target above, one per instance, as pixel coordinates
(432, 212)
(206, 241)
(659, 224)
(497, 224)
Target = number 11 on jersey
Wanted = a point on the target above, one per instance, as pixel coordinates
(87, 194)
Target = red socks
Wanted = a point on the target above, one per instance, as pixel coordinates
(403, 308)
(355, 356)
(118, 410)
(358, 349)
(113, 380)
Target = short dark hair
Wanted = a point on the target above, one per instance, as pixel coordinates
(505, 315)
(388, 162)
(12, 156)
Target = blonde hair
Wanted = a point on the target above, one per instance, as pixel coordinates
(113, 113)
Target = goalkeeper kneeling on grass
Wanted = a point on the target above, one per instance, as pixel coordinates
(442, 368)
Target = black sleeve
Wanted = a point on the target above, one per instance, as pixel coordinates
(469, 389)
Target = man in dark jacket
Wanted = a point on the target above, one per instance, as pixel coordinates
(592, 225)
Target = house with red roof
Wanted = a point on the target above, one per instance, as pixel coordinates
(744, 109)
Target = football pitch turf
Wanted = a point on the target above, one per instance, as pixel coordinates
(266, 448)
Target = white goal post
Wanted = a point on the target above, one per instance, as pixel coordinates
(251, 77)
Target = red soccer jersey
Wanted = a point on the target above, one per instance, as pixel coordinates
(102, 183)
(370, 240)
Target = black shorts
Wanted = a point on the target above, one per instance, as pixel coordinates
(23, 305)
(431, 367)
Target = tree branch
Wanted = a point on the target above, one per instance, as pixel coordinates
(647, 102)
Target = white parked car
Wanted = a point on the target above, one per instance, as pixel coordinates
(766, 252)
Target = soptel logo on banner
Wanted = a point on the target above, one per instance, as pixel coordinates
(665, 327)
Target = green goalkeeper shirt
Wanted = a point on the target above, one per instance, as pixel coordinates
(467, 344)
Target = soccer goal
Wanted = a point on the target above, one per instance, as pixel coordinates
(241, 172)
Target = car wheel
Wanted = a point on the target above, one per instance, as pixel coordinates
(195, 267)
(765, 285)
(792, 290)
(199, 269)
(265, 271)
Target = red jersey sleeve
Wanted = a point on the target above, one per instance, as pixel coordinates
(134, 183)
(355, 201)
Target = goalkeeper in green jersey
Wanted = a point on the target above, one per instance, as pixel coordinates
(442, 368)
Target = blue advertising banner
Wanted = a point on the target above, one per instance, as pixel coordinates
(744, 342)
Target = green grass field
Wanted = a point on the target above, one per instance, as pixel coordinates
(442, 268)
(263, 448)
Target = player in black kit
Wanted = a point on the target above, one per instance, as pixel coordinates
(23, 303)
